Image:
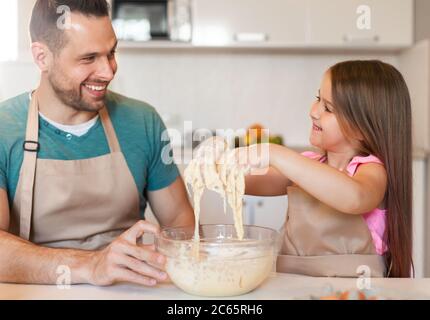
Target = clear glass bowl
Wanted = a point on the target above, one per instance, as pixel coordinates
(221, 264)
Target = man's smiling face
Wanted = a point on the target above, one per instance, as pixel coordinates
(81, 71)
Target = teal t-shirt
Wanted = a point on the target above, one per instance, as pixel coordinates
(138, 127)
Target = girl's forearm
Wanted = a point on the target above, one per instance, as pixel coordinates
(271, 183)
(325, 183)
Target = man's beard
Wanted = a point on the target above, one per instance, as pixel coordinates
(73, 97)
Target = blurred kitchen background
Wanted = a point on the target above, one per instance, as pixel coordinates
(236, 63)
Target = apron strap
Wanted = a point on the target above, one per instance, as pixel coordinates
(31, 148)
(109, 131)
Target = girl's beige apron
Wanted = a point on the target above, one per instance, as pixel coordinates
(82, 204)
(320, 241)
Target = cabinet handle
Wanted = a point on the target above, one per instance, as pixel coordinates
(250, 37)
(361, 39)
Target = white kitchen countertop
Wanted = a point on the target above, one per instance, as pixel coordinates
(277, 287)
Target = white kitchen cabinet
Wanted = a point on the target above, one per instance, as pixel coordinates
(414, 64)
(358, 23)
(303, 23)
(426, 226)
(267, 212)
(419, 217)
(248, 22)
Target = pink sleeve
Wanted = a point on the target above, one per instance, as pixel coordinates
(312, 155)
(357, 161)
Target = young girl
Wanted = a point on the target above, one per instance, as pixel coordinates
(350, 205)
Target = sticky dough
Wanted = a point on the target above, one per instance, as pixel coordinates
(214, 169)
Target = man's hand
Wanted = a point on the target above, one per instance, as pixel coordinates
(126, 261)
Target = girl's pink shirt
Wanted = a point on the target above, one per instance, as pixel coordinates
(375, 219)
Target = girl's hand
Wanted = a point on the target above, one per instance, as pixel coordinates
(203, 170)
(211, 149)
(215, 158)
(254, 159)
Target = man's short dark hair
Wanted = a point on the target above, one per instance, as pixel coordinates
(45, 16)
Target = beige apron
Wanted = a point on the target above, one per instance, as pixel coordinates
(82, 204)
(320, 241)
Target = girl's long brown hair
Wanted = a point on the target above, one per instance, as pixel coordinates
(372, 98)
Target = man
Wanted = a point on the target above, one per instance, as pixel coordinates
(78, 163)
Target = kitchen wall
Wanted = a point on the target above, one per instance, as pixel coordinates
(17, 77)
(230, 89)
(215, 89)
(234, 88)
(422, 21)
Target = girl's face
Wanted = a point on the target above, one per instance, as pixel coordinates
(326, 133)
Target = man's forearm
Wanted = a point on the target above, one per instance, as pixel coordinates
(24, 262)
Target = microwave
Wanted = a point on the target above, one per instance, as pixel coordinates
(144, 20)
